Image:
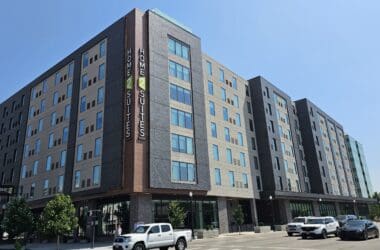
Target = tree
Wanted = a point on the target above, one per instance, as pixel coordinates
(58, 217)
(18, 219)
(176, 214)
(238, 216)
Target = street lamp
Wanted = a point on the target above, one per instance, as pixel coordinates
(191, 209)
(271, 201)
(354, 201)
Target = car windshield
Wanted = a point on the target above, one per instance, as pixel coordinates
(341, 217)
(302, 220)
(141, 229)
(315, 221)
(356, 223)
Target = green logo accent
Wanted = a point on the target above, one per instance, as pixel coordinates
(142, 84)
(129, 83)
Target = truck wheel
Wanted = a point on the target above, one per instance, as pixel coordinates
(324, 234)
(304, 236)
(180, 245)
(290, 234)
(139, 246)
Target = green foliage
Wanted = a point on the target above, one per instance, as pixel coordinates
(18, 245)
(374, 212)
(18, 218)
(238, 216)
(176, 214)
(58, 217)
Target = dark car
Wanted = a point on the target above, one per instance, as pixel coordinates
(342, 219)
(359, 229)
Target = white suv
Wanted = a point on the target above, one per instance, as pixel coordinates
(320, 227)
(295, 227)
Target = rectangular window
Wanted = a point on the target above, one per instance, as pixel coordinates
(249, 109)
(48, 163)
(98, 147)
(236, 101)
(63, 159)
(55, 98)
(221, 75)
(83, 104)
(23, 172)
(250, 124)
(42, 105)
(44, 86)
(180, 94)
(35, 168)
(102, 71)
(245, 180)
(46, 186)
(51, 140)
(240, 138)
(181, 119)
(85, 60)
(280, 183)
(84, 81)
(57, 78)
(253, 142)
(237, 119)
(229, 155)
(225, 114)
(81, 128)
(278, 163)
(71, 69)
(100, 97)
(283, 149)
(60, 184)
(37, 146)
(182, 144)
(40, 125)
(96, 175)
(69, 90)
(32, 188)
(80, 152)
(102, 49)
(77, 179)
(67, 111)
(212, 108)
(182, 171)
(210, 88)
(99, 120)
(258, 182)
(214, 132)
(242, 159)
(227, 134)
(223, 94)
(178, 48)
(179, 71)
(215, 152)
(209, 68)
(256, 162)
(65, 135)
(26, 151)
(231, 178)
(218, 178)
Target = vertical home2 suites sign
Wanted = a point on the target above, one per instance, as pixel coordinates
(129, 101)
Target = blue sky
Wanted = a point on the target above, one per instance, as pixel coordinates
(327, 51)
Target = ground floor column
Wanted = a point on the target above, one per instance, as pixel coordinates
(285, 215)
(316, 209)
(140, 209)
(337, 208)
(253, 212)
(223, 215)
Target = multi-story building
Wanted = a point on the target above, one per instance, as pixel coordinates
(359, 167)
(138, 117)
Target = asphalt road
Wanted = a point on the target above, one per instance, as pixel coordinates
(280, 241)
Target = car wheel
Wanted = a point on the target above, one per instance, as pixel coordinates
(324, 234)
(290, 234)
(304, 236)
(365, 235)
(180, 245)
(139, 246)
(377, 234)
(337, 232)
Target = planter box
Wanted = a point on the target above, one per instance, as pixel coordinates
(203, 234)
(279, 227)
(262, 229)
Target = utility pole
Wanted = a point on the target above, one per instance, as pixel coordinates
(93, 214)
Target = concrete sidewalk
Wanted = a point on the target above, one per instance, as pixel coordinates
(63, 246)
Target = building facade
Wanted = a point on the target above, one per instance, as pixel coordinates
(139, 116)
(359, 168)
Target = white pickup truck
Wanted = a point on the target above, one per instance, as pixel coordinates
(155, 235)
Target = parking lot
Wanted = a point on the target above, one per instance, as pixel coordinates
(279, 241)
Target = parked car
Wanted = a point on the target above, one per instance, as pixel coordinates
(155, 235)
(295, 227)
(359, 229)
(320, 227)
(342, 219)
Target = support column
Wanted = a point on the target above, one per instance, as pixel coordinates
(252, 203)
(284, 212)
(316, 209)
(337, 208)
(223, 215)
(140, 209)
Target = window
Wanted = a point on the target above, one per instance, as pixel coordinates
(210, 88)
(63, 159)
(215, 152)
(42, 105)
(84, 81)
(221, 75)
(60, 184)
(253, 142)
(249, 108)
(181, 119)
(65, 135)
(26, 151)
(69, 90)
(270, 109)
(29, 131)
(179, 71)
(100, 97)
(37, 146)
(231, 178)
(274, 144)
(83, 104)
(237, 119)
(245, 180)
(48, 163)
(229, 155)
(236, 101)
(80, 152)
(154, 230)
(40, 125)
(234, 82)
(165, 228)
(258, 182)
(182, 144)
(96, 175)
(99, 120)
(278, 163)
(32, 188)
(81, 129)
(323, 171)
(280, 183)
(77, 179)
(209, 68)
(250, 124)
(225, 114)
(44, 86)
(227, 134)
(23, 172)
(71, 69)
(35, 168)
(182, 171)
(178, 48)
(240, 138)
(55, 98)
(98, 147)
(57, 78)
(256, 162)
(180, 94)
(67, 111)
(31, 112)
(214, 132)
(53, 118)
(212, 108)
(242, 159)
(218, 178)
(289, 185)
(102, 71)
(223, 94)
(51, 140)
(85, 60)
(102, 49)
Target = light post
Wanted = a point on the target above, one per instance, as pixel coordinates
(354, 201)
(271, 201)
(191, 209)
